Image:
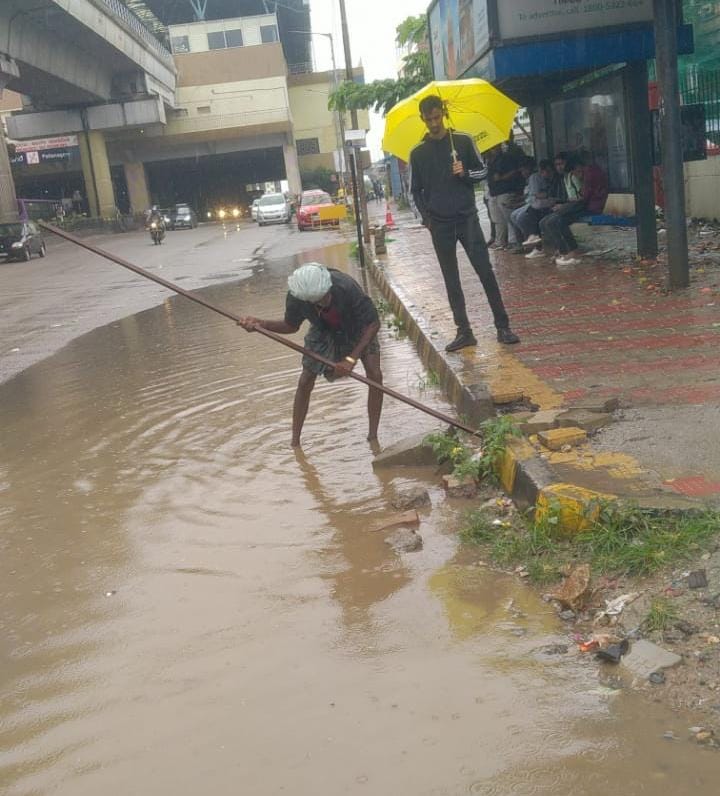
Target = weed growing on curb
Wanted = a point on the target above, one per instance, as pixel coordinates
(382, 306)
(354, 250)
(661, 616)
(449, 447)
(428, 381)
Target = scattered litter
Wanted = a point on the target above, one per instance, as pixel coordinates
(669, 735)
(613, 652)
(614, 607)
(567, 616)
(110, 593)
(554, 649)
(697, 579)
(686, 628)
(657, 678)
(14, 350)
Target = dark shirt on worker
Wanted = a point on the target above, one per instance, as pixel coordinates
(503, 164)
(351, 310)
(439, 194)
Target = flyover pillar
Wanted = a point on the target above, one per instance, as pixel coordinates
(96, 172)
(8, 199)
(292, 169)
(137, 187)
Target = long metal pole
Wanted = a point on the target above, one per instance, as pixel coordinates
(428, 410)
(358, 171)
(666, 25)
(340, 118)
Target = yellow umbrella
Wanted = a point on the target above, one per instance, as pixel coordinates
(473, 106)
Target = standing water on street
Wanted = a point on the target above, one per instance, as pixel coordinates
(191, 605)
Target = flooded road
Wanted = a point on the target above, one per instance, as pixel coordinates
(188, 605)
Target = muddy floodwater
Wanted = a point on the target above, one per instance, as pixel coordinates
(189, 606)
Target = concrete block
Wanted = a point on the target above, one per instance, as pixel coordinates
(540, 421)
(407, 452)
(557, 438)
(396, 521)
(413, 498)
(575, 507)
(597, 405)
(501, 397)
(465, 488)
(645, 658)
(585, 419)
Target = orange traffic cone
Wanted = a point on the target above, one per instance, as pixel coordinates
(389, 222)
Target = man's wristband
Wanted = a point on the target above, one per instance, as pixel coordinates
(351, 360)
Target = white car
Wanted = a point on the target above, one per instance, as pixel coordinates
(273, 208)
(254, 209)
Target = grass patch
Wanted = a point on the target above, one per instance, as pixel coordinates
(354, 250)
(622, 540)
(661, 616)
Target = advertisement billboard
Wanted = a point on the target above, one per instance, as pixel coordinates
(459, 35)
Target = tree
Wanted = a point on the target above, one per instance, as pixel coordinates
(319, 177)
(381, 95)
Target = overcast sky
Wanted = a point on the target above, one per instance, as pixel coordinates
(372, 26)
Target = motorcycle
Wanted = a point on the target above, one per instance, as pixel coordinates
(157, 232)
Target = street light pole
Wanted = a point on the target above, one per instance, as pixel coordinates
(666, 25)
(360, 201)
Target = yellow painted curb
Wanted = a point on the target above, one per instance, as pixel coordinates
(576, 507)
(517, 450)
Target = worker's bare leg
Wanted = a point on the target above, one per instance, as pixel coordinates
(375, 397)
(301, 404)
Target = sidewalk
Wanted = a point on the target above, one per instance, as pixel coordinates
(603, 330)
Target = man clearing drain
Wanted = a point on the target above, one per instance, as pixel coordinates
(343, 328)
(444, 194)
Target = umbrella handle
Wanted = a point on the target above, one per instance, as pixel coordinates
(452, 144)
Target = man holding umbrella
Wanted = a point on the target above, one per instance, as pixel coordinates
(445, 197)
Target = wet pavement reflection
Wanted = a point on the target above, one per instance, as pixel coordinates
(189, 605)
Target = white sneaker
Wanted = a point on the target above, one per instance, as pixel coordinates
(534, 254)
(566, 261)
(532, 240)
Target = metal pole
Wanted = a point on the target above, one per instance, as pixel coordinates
(640, 124)
(357, 174)
(666, 24)
(272, 335)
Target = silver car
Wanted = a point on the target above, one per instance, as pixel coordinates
(273, 208)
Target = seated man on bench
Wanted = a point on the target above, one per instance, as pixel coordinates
(586, 186)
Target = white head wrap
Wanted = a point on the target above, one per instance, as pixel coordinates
(310, 282)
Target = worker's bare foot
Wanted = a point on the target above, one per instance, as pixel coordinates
(374, 445)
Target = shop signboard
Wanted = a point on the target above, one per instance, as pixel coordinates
(520, 19)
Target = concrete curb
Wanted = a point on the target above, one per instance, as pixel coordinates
(525, 476)
(472, 401)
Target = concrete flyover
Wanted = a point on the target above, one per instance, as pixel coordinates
(86, 66)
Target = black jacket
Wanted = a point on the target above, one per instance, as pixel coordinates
(355, 307)
(438, 194)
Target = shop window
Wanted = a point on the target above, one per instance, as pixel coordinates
(268, 33)
(180, 44)
(308, 146)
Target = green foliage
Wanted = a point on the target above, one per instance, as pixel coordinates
(381, 305)
(321, 178)
(354, 250)
(661, 616)
(495, 433)
(382, 95)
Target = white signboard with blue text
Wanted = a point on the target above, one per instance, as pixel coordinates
(520, 19)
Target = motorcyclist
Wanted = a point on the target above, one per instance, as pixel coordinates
(157, 217)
